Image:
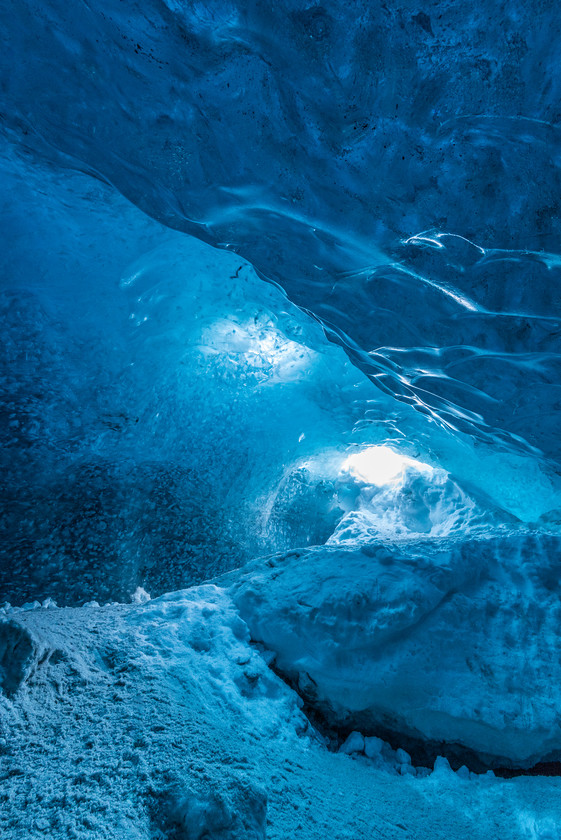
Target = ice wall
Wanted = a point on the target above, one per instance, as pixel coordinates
(159, 400)
(167, 414)
(362, 376)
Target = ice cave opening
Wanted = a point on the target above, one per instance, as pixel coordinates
(280, 378)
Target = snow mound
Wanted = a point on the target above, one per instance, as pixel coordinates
(162, 721)
(198, 633)
(18, 656)
(437, 640)
(144, 702)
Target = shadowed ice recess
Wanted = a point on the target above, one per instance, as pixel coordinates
(280, 349)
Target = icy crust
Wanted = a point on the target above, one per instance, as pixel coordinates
(442, 641)
(161, 721)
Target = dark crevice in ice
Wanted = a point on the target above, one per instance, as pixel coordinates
(423, 752)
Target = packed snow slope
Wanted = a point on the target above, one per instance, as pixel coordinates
(394, 167)
(159, 721)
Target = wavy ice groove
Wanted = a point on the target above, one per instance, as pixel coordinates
(318, 140)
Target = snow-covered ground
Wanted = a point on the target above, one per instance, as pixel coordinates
(162, 720)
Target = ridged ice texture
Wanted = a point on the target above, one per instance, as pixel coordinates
(320, 142)
(451, 643)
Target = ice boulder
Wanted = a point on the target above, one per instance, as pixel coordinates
(353, 744)
(436, 641)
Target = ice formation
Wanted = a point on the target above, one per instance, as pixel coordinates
(436, 640)
(281, 474)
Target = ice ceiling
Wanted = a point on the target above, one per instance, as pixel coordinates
(393, 171)
(397, 177)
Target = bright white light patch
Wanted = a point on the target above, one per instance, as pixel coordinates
(259, 346)
(380, 465)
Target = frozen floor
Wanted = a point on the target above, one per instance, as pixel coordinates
(160, 720)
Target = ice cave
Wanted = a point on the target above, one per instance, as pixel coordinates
(281, 420)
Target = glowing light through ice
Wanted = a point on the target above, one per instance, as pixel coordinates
(259, 347)
(380, 465)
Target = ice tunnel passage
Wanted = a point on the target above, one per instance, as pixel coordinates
(280, 341)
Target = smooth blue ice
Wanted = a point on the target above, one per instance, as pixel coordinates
(394, 168)
(284, 278)
(160, 401)
(168, 415)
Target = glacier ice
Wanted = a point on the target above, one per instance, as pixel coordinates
(169, 415)
(371, 159)
(441, 641)
(155, 426)
(279, 382)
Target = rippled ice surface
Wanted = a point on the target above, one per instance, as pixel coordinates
(396, 177)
